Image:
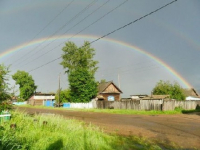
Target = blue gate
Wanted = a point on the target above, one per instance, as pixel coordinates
(49, 103)
(66, 105)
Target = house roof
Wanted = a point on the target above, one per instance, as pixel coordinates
(102, 86)
(156, 97)
(43, 94)
(190, 92)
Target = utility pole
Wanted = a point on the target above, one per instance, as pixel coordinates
(118, 80)
(59, 91)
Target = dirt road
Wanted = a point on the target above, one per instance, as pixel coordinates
(183, 130)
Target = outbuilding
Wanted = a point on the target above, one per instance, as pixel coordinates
(45, 99)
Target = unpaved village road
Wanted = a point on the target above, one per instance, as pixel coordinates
(184, 130)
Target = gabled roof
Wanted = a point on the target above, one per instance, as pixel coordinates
(102, 86)
(190, 92)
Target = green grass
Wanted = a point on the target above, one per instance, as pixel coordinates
(128, 111)
(114, 111)
(59, 133)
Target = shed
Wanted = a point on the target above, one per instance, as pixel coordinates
(39, 98)
(108, 91)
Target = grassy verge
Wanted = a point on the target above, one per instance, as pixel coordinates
(41, 132)
(129, 112)
(113, 111)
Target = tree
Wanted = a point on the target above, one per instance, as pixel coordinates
(4, 71)
(80, 69)
(74, 57)
(166, 88)
(64, 96)
(82, 85)
(26, 84)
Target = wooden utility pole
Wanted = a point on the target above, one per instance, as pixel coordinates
(59, 91)
(118, 80)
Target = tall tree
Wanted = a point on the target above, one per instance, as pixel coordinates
(26, 84)
(166, 88)
(4, 71)
(74, 57)
(80, 69)
(82, 85)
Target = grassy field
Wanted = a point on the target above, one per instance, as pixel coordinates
(40, 132)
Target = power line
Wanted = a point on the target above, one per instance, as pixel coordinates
(73, 18)
(70, 29)
(134, 21)
(47, 26)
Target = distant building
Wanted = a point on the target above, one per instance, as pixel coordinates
(191, 94)
(108, 91)
(137, 97)
(156, 97)
(39, 98)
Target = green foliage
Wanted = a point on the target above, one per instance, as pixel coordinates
(82, 57)
(103, 81)
(166, 88)
(4, 71)
(26, 84)
(64, 95)
(82, 85)
(5, 106)
(81, 69)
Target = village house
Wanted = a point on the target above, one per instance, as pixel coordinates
(108, 91)
(191, 94)
(45, 99)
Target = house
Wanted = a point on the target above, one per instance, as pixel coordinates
(45, 99)
(108, 91)
(191, 94)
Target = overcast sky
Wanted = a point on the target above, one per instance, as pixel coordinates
(135, 57)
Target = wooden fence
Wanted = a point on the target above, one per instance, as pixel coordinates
(147, 104)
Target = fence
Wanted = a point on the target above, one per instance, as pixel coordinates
(147, 104)
(19, 103)
(187, 105)
(79, 105)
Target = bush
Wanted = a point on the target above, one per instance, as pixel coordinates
(5, 105)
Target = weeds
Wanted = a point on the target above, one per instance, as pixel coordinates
(31, 133)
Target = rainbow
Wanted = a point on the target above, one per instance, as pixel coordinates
(159, 61)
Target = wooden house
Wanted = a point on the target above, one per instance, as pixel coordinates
(191, 94)
(108, 91)
(39, 98)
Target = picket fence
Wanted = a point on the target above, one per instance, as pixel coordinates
(79, 105)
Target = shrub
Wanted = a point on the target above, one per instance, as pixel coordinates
(5, 105)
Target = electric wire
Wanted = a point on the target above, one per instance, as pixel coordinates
(46, 27)
(72, 19)
(78, 32)
(132, 22)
